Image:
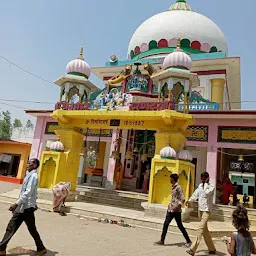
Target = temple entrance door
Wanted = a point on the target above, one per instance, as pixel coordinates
(143, 167)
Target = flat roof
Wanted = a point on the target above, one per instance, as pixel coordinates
(210, 114)
(14, 142)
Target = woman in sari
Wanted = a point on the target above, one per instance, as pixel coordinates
(227, 190)
(119, 174)
(60, 193)
(146, 175)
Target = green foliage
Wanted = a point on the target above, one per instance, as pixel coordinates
(17, 123)
(7, 126)
(29, 125)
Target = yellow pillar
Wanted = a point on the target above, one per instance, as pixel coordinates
(73, 141)
(217, 85)
(175, 138)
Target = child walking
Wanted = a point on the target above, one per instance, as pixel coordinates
(241, 241)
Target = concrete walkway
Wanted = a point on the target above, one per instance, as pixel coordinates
(6, 186)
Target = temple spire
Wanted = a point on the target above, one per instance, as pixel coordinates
(81, 56)
(180, 5)
(178, 42)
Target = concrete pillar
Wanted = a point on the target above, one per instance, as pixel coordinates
(110, 183)
(80, 179)
(37, 139)
(212, 167)
(217, 91)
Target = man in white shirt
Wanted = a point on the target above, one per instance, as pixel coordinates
(23, 210)
(204, 194)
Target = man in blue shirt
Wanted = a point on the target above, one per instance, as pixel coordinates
(23, 210)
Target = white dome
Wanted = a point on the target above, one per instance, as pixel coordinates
(79, 66)
(57, 146)
(196, 31)
(177, 59)
(168, 152)
(185, 155)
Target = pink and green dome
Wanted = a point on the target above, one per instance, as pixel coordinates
(78, 66)
(177, 59)
(158, 35)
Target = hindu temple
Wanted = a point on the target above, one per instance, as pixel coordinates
(172, 106)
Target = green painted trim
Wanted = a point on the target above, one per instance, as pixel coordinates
(165, 50)
(159, 60)
(250, 139)
(178, 67)
(167, 158)
(187, 161)
(77, 74)
(56, 150)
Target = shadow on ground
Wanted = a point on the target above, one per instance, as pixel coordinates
(205, 253)
(19, 251)
(175, 244)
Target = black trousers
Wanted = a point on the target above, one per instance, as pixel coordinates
(168, 220)
(17, 219)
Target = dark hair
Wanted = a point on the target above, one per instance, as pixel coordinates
(175, 177)
(204, 175)
(240, 219)
(35, 161)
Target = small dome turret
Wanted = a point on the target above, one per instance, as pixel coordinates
(79, 67)
(185, 155)
(177, 59)
(168, 152)
(57, 146)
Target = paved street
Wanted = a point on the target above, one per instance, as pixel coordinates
(6, 186)
(72, 236)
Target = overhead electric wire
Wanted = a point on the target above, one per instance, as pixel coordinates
(19, 107)
(47, 81)
(26, 71)
(27, 101)
(44, 102)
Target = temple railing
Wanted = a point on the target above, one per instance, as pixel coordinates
(72, 106)
(152, 105)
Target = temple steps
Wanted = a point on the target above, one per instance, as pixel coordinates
(124, 199)
(224, 213)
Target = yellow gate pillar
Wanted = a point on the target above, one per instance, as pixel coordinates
(176, 139)
(73, 141)
(217, 91)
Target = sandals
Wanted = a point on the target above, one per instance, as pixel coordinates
(190, 252)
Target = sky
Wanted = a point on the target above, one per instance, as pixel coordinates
(43, 36)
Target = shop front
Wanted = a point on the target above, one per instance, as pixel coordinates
(230, 151)
(13, 160)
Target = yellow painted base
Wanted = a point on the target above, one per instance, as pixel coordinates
(62, 167)
(160, 189)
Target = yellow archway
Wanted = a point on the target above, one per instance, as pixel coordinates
(170, 126)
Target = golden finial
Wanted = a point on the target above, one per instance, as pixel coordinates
(178, 42)
(81, 53)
